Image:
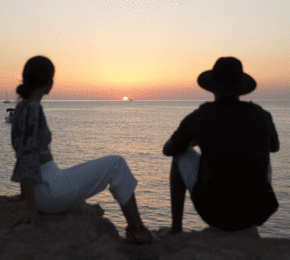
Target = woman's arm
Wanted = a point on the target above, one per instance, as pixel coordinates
(45, 158)
(28, 185)
(31, 216)
(27, 188)
(25, 132)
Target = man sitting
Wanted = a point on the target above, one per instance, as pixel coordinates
(230, 182)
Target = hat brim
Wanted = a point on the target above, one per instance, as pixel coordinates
(206, 82)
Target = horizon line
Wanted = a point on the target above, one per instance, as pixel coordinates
(145, 100)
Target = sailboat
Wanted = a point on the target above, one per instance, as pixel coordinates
(9, 115)
(6, 99)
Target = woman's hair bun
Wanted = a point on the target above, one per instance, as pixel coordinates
(23, 91)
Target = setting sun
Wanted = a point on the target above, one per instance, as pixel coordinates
(125, 98)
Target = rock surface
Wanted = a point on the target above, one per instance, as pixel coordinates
(84, 234)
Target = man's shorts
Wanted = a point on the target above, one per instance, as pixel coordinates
(188, 164)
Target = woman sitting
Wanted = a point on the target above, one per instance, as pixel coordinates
(44, 186)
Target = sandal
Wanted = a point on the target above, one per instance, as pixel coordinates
(138, 235)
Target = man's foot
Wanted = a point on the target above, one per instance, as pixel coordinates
(138, 235)
(16, 198)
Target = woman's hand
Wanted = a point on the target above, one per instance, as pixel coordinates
(29, 218)
(45, 158)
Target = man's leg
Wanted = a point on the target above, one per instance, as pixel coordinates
(177, 190)
(183, 176)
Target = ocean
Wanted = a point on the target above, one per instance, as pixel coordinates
(137, 131)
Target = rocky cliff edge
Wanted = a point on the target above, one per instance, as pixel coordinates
(84, 234)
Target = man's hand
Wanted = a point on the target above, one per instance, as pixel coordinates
(169, 149)
(192, 143)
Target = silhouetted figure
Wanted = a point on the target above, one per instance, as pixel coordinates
(230, 182)
(45, 187)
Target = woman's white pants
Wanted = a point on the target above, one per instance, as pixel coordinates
(61, 189)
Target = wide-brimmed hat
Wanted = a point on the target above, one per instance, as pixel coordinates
(227, 78)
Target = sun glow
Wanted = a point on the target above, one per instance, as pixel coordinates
(125, 99)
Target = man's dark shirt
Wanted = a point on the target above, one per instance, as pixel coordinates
(235, 138)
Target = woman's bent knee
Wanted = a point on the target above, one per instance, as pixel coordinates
(119, 159)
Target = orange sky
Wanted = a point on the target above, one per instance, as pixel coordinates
(144, 49)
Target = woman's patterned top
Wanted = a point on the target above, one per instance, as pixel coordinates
(30, 139)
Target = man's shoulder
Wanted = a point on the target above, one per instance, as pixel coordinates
(255, 107)
(207, 105)
(203, 108)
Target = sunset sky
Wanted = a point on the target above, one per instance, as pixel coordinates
(144, 50)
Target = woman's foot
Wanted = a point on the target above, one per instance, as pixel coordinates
(16, 198)
(138, 235)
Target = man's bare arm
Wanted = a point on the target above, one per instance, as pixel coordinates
(169, 149)
(275, 145)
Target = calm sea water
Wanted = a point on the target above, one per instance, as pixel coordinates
(86, 130)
